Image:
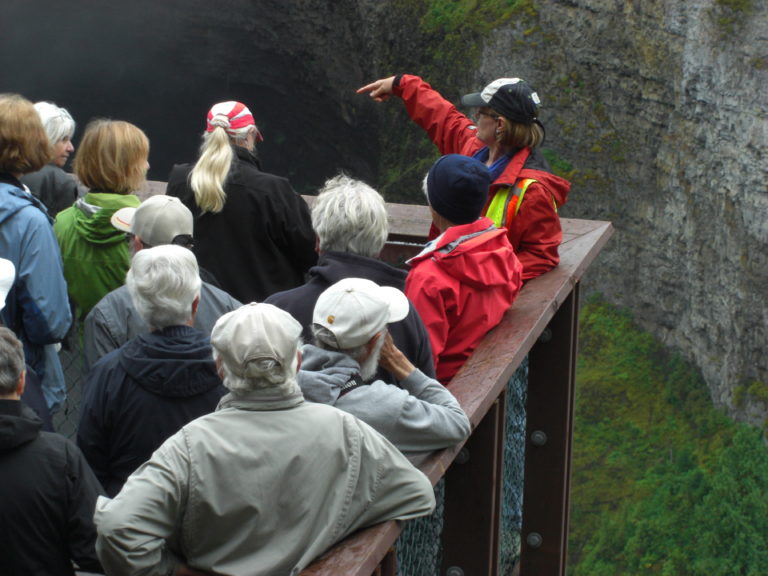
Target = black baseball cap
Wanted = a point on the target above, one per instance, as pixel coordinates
(513, 98)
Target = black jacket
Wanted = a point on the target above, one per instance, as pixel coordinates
(47, 498)
(262, 241)
(53, 187)
(141, 394)
(409, 334)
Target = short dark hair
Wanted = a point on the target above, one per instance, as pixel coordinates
(11, 361)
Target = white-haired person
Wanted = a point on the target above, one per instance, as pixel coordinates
(140, 394)
(350, 220)
(506, 135)
(350, 329)
(252, 230)
(266, 483)
(51, 184)
(159, 221)
(47, 491)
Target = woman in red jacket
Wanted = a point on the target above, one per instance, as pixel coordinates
(524, 195)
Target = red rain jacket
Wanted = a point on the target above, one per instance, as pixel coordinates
(461, 284)
(534, 231)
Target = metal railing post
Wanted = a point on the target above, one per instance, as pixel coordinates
(551, 380)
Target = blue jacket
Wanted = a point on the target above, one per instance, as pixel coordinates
(137, 396)
(36, 308)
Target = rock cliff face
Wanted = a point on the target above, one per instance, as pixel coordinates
(661, 107)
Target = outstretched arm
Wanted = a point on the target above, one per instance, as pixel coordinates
(379, 90)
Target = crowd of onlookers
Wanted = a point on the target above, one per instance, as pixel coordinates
(258, 384)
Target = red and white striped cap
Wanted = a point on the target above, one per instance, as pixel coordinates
(234, 117)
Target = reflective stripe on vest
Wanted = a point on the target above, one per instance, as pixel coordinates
(499, 206)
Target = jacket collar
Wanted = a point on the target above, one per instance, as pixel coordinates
(454, 237)
(251, 157)
(281, 397)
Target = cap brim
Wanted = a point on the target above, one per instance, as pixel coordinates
(474, 99)
(397, 302)
(123, 219)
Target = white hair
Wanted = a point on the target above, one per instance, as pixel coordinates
(260, 373)
(326, 340)
(350, 216)
(163, 282)
(58, 123)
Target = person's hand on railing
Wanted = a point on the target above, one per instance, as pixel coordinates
(394, 361)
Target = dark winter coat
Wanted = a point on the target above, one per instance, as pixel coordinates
(409, 334)
(262, 241)
(47, 499)
(142, 393)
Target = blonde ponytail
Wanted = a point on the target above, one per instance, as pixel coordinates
(211, 170)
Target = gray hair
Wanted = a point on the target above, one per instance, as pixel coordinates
(11, 361)
(260, 373)
(163, 282)
(58, 123)
(350, 216)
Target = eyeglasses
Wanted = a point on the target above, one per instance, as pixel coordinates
(490, 115)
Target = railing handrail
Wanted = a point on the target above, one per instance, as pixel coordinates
(482, 379)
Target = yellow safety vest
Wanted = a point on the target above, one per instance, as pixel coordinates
(499, 206)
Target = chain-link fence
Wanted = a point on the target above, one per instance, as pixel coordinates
(65, 421)
(419, 550)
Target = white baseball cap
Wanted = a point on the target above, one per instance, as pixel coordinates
(255, 332)
(159, 220)
(354, 310)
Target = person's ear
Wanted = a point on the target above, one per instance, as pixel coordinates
(22, 383)
(372, 343)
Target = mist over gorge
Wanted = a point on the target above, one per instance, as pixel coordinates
(657, 111)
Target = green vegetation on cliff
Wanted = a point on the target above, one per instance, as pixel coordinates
(662, 482)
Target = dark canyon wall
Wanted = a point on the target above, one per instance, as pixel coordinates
(655, 109)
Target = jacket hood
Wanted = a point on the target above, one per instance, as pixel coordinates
(15, 199)
(477, 254)
(175, 362)
(323, 373)
(92, 215)
(333, 266)
(537, 168)
(18, 425)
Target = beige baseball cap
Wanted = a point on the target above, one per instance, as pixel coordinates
(255, 332)
(159, 220)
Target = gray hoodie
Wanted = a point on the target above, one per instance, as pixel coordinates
(420, 416)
